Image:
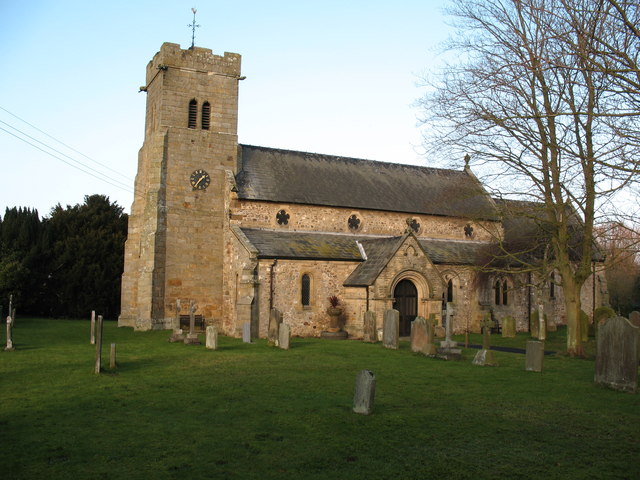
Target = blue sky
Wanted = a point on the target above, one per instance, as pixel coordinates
(335, 77)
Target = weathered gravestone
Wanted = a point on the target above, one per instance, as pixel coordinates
(92, 334)
(508, 327)
(447, 342)
(370, 334)
(9, 347)
(211, 341)
(419, 335)
(534, 356)
(617, 355)
(430, 348)
(246, 332)
(178, 334)
(275, 320)
(485, 356)
(391, 332)
(98, 365)
(365, 392)
(192, 336)
(284, 336)
(112, 357)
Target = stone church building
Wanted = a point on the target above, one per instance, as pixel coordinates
(241, 229)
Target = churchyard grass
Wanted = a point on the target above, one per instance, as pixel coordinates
(254, 411)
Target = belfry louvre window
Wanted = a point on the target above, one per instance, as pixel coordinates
(305, 290)
(206, 115)
(193, 113)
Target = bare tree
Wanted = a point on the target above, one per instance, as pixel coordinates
(543, 94)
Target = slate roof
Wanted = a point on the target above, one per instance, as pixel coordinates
(286, 176)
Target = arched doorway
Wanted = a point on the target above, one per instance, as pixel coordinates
(406, 302)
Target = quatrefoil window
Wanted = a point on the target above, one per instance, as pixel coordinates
(415, 226)
(468, 230)
(354, 222)
(282, 217)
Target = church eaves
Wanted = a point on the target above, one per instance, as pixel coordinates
(285, 176)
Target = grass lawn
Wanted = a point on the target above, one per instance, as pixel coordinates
(252, 411)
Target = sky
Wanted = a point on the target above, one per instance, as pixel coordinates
(334, 77)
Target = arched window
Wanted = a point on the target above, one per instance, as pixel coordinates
(206, 115)
(498, 293)
(305, 290)
(552, 286)
(450, 291)
(193, 113)
(505, 294)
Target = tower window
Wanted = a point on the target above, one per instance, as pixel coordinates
(305, 292)
(193, 113)
(206, 115)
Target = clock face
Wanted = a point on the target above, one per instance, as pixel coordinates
(200, 180)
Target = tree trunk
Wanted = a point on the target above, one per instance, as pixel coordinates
(573, 308)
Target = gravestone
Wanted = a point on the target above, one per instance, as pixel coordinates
(275, 320)
(430, 348)
(192, 336)
(369, 330)
(419, 335)
(508, 327)
(112, 357)
(9, 347)
(92, 335)
(534, 356)
(211, 341)
(246, 332)
(447, 342)
(391, 331)
(485, 357)
(178, 334)
(98, 365)
(365, 392)
(617, 355)
(284, 336)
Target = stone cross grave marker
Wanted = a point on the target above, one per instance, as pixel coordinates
(177, 335)
(192, 336)
(211, 341)
(246, 332)
(92, 335)
(370, 334)
(275, 320)
(365, 392)
(9, 347)
(391, 332)
(284, 336)
(419, 335)
(485, 356)
(617, 355)
(447, 342)
(534, 356)
(98, 365)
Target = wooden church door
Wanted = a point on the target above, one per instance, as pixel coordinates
(406, 302)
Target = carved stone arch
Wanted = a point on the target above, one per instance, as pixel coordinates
(422, 287)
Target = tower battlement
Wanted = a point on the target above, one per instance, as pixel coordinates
(197, 59)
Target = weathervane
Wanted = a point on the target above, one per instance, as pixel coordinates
(193, 28)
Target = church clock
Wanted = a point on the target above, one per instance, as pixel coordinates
(200, 180)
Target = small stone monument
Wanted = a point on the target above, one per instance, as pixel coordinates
(246, 332)
(192, 336)
(275, 320)
(365, 392)
(430, 348)
(98, 365)
(508, 327)
(617, 355)
(178, 334)
(447, 342)
(534, 356)
(419, 335)
(369, 334)
(284, 336)
(92, 335)
(485, 356)
(9, 347)
(391, 332)
(112, 357)
(211, 341)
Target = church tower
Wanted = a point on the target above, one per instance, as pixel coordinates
(174, 248)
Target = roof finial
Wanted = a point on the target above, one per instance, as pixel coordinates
(467, 158)
(193, 27)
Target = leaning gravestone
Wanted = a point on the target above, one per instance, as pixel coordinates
(617, 355)
(246, 332)
(391, 332)
(419, 335)
(485, 357)
(370, 334)
(284, 336)
(534, 356)
(508, 327)
(9, 347)
(365, 392)
(275, 320)
(211, 341)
